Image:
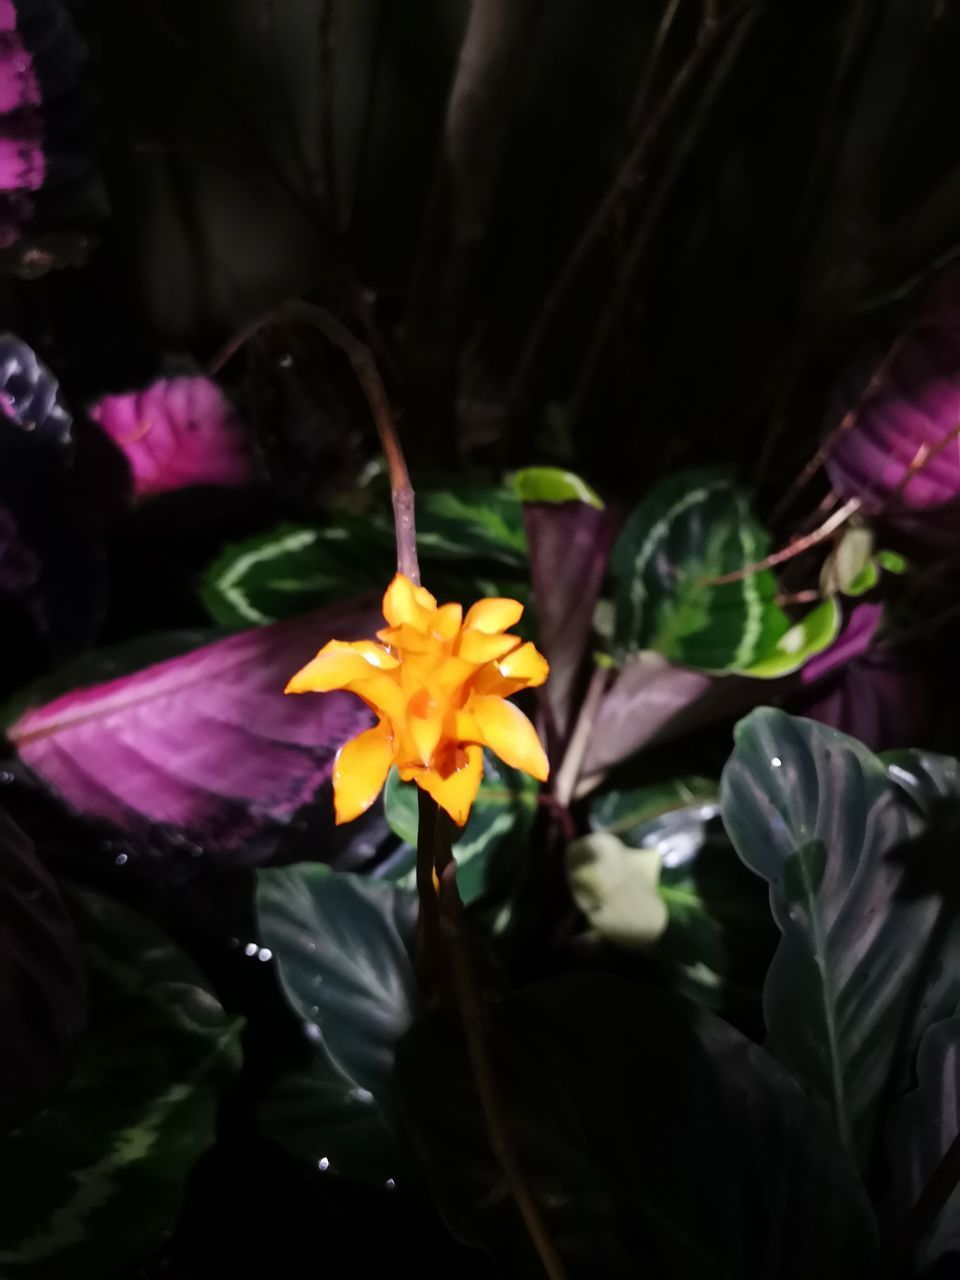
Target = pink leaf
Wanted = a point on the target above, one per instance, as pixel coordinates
(207, 742)
(179, 431)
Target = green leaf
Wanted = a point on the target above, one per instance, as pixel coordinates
(343, 947)
(851, 986)
(628, 813)
(656, 1139)
(892, 561)
(471, 521)
(718, 938)
(811, 635)
(553, 484)
(689, 531)
(616, 888)
(96, 1180)
(494, 836)
(849, 562)
(295, 568)
(334, 1127)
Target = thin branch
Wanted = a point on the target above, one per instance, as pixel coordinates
(925, 454)
(475, 1029)
(796, 548)
(648, 79)
(625, 179)
(627, 269)
(365, 368)
(328, 139)
(846, 423)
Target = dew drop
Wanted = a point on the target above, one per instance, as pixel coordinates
(250, 949)
(6, 776)
(264, 954)
(313, 1032)
(390, 1184)
(776, 762)
(361, 1095)
(120, 859)
(323, 1164)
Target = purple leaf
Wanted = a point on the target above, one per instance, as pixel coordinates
(206, 743)
(50, 187)
(569, 547)
(877, 698)
(651, 700)
(910, 417)
(853, 641)
(42, 985)
(177, 432)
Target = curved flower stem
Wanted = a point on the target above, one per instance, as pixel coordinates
(475, 1029)
(365, 368)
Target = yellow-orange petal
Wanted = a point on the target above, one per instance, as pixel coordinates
(405, 603)
(447, 621)
(425, 732)
(337, 665)
(376, 655)
(383, 693)
(508, 732)
(406, 639)
(457, 792)
(526, 663)
(477, 647)
(359, 772)
(493, 614)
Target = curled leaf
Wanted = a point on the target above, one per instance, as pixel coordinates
(177, 432)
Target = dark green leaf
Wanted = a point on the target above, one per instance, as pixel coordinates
(553, 484)
(295, 568)
(719, 937)
(343, 949)
(849, 989)
(334, 1127)
(495, 833)
(482, 523)
(657, 1140)
(298, 567)
(924, 1126)
(95, 1182)
(43, 984)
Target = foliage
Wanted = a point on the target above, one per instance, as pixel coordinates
(662, 300)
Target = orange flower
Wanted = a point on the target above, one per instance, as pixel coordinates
(437, 683)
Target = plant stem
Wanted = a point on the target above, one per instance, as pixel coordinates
(475, 1028)
(365, 368)
(799, 545)
(628, 267)
(623, 181)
